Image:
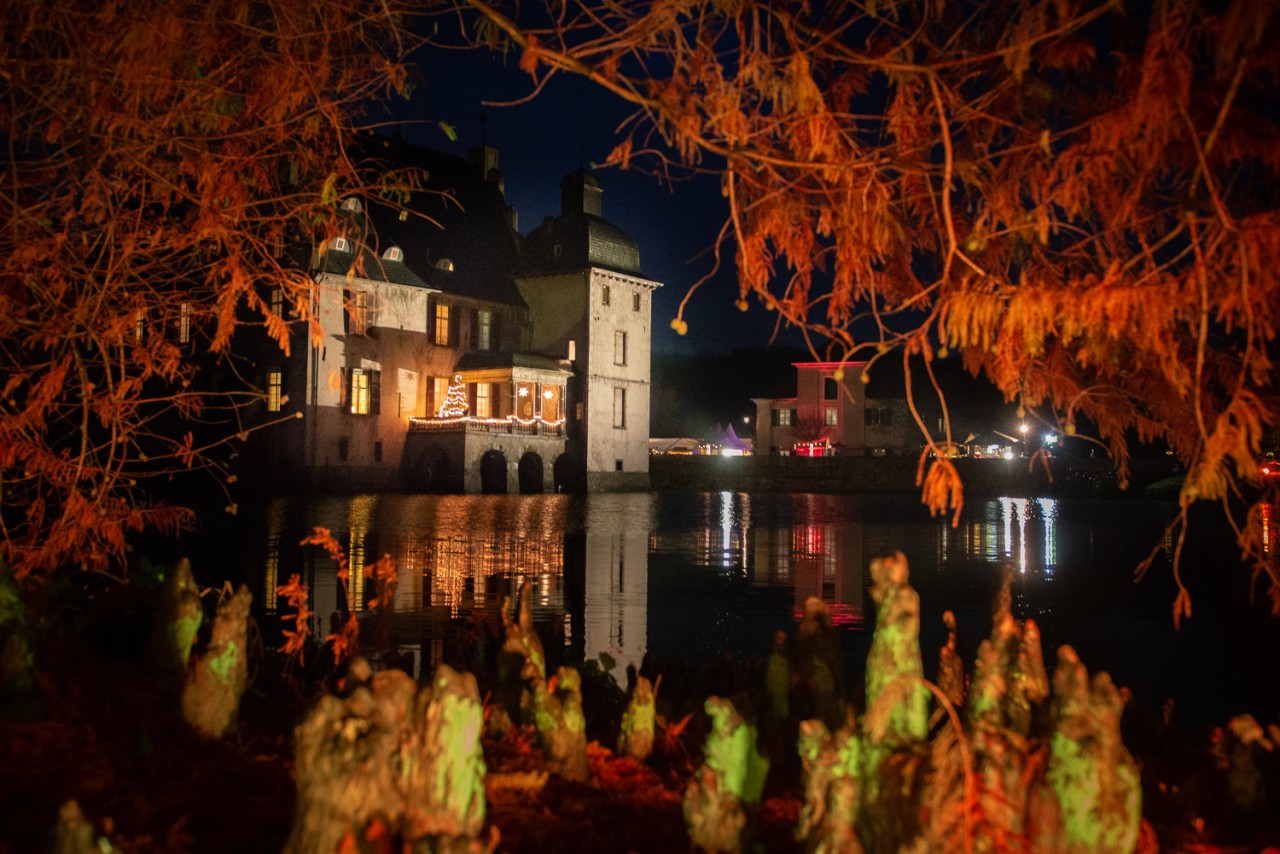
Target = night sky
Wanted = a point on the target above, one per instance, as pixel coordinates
(572, 122)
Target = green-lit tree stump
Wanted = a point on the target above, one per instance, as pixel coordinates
(562, 728)
(896, 723)
(391, 753)
(833, 784)
(728, 784)
(635, 736)
(217, 679)
(1090, 799)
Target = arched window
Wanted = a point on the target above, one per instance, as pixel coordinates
(393, 253)
(340, 244)
(445, 264)
(352, 204)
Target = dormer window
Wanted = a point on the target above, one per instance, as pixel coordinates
(393, 253)
(445, 264)
(340, 244)
(351, 205)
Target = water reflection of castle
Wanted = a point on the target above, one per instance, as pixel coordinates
(587, 562)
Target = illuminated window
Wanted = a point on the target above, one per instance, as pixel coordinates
(604, 295)
(275, 389)
(139, 324)
(484, 326)
(526, 393)
(619, 348)
(782, 417)
(619, 407)
(184, 323)
(829, 417)
(277, 302)
(364, 391)
(483, 409)
(440, 330)
(439, 391)
(550, 403)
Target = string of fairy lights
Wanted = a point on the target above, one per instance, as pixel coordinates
(455, 410)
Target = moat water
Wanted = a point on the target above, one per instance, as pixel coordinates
(691, 575)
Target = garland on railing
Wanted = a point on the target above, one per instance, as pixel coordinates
(486, 422)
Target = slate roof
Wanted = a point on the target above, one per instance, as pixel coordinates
(479, 361)
(585, 240)
(371, 267)
(459, 216)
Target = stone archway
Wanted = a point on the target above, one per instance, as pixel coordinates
(493, 473)
(530, 471)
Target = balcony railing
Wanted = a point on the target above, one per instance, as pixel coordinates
(510, 425)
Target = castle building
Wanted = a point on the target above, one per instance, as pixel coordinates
(457, 356)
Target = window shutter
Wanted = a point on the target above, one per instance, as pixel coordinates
(375, 392)
(475, 328)
(773, 417)
(346, 312)
(345, 394)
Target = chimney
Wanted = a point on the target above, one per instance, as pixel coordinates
(580, 192)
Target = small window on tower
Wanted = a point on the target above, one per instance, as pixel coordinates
(619, 347)
(635, 301)
(604, 295)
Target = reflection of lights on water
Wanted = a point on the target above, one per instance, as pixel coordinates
(1006, 515)
(726, 527)
(1268, 530)
(1018, 510)
(1020, 504)
(1049, 513)
(359, 516)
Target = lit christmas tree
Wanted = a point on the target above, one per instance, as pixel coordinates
(455, 400)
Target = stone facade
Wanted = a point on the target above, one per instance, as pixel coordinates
(547, 339)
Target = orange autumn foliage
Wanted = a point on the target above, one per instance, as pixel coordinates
(346, 641)
(1079, 198)
(159, 158)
